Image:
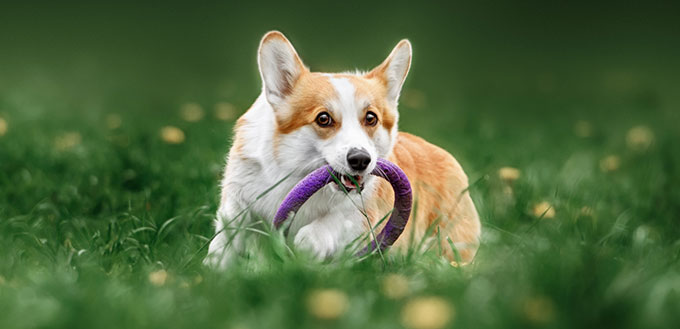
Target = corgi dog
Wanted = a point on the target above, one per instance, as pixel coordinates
(303, 120)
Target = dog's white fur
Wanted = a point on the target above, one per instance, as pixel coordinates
(261, 158)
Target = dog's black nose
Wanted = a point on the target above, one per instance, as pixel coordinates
(358, 159)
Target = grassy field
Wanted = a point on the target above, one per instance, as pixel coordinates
(115, 120)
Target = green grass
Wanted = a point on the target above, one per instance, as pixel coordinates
(102, 227)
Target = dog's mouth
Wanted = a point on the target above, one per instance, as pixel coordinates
(349, 183)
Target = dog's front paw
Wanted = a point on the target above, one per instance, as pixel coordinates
(220, 252)
(315, 241)
(218, 260)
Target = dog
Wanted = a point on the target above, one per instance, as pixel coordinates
(303, 120)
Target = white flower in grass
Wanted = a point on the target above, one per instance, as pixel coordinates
(427, 313)
(395, 286)
(225, 111)
(543, 209)
(454, 263)
(639, 138)
(172, 135)
(644, 235)
(191, 112)
(508, 174)
(3, 127)
(587, 211)
(113, 121)
(158, 278)
(67, 141)
(327, 304)
(610, 163)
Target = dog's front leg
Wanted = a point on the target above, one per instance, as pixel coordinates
(228, 241)
(326, 236)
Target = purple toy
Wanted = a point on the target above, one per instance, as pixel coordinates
(324, 175)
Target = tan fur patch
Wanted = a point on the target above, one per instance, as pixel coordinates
(238, 142)
(313, 89)
(306, 102)
(375, 91)
(440, 197)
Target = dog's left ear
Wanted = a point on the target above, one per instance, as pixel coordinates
(280, 67)
(392, 72)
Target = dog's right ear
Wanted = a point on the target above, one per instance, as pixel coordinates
(280, 67)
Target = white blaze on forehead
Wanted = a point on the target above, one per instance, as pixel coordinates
(346, 103)
(351, 135)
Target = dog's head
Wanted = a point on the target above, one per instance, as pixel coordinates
(347, 120)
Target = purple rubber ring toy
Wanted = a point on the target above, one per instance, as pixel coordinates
(324, 175)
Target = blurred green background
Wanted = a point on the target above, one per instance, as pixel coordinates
(115, 120)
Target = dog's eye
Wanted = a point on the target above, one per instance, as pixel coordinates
(371, 119)
(324, 119)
